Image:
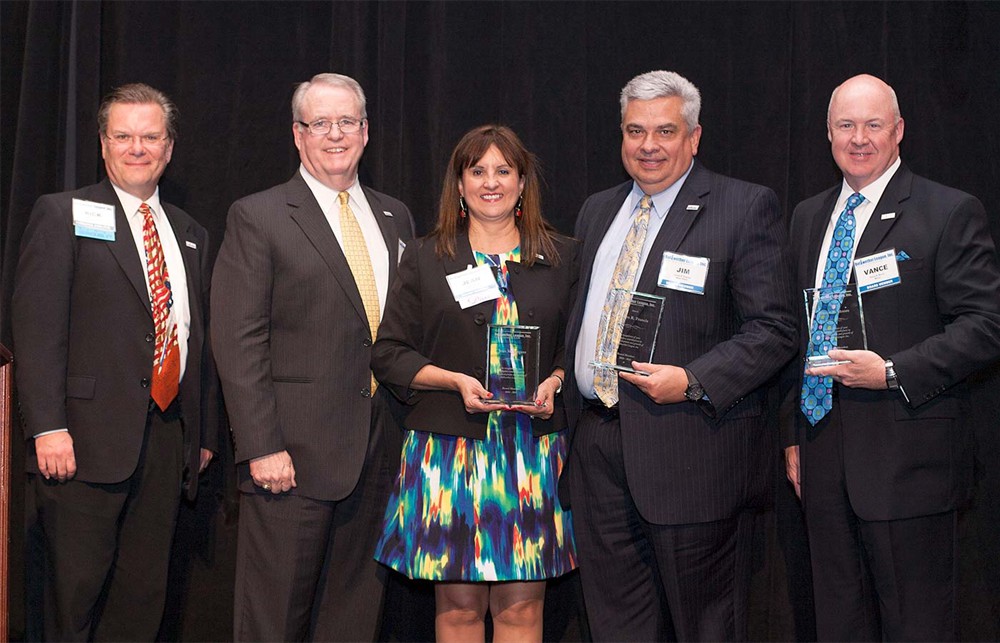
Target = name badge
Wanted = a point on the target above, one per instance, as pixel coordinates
(94, 220)
(876, 271)
(473, 286)
(683, 272)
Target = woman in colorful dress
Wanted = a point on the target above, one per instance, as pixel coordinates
(475, 506)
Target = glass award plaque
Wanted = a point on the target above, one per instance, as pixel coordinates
(512, 373)
(639, 331)
(836, 319)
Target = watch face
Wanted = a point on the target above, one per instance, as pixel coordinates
(694, 392)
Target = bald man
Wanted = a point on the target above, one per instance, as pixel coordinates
(883, 460)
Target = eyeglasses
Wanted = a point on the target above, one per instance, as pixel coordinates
(322, 127)
(120, 139)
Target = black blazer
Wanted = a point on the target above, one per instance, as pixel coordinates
(83, 332)
(940, 324)
(292, 339)
(684, 464)
(423, 324)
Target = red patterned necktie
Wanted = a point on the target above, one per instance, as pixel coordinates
(166, 354)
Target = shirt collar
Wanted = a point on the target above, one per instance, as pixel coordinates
(325, 194)
(873, 191)
(130, 203)
(663, 200)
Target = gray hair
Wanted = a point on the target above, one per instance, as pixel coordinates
(332, 80)
(137, 94)
(664, 84)
(892, 96)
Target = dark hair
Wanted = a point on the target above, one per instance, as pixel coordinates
(537, 236)
(137, 94)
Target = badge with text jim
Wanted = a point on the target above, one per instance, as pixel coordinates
(836, 319)
(512, 376)
(628, 332)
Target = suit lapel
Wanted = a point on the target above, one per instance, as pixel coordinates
(390, 234)
(123, 247)
(817, 230)
(689, 205)
(307, 214)
(187, 241)
(606, 213)
(896, 192)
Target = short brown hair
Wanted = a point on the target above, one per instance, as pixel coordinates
(536, 233)
(138, 94)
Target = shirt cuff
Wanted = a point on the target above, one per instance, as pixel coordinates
(38, 435)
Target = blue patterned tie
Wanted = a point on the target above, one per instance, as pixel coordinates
(817, 392)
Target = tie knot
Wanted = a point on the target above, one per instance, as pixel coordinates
(147, 214)
(343, 197)
(646, 203)
(855, 200)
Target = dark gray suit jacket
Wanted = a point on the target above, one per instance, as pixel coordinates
(84, 335)
(939, 325)
(291, 336)
(683, 464)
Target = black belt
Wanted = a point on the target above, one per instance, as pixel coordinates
(597, 408)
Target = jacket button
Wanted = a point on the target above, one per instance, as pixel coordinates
(367, 342)
(531, 313)
(366, 392)
(150, 337)
(480, 319)
(144, 382)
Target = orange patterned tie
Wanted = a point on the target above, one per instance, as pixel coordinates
(356, 251)
(166, 353)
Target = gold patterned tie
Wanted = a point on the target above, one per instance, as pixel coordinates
(616, 305)
(356, 251)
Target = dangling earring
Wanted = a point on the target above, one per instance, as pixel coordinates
(517, 210)
(463, 210)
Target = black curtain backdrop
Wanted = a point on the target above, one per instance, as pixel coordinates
(550, 70)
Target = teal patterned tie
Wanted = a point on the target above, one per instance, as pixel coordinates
(817, 392)
(616, 304)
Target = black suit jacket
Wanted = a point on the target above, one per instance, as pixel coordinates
(940, 324)
(684, 464)
(292, 339)
(425, 325)
(84, 335)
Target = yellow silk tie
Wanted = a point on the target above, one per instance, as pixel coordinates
(356, 251)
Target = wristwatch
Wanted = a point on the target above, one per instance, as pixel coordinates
(695, 392)
(891, 381)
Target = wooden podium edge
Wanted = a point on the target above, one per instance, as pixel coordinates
(6, 377)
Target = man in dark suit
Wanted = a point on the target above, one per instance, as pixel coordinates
(666, 464)
(115, 379)
(885, 454)
(301, 281)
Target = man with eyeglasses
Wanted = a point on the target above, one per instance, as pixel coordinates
(300, 283)
(117, 387)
